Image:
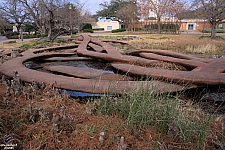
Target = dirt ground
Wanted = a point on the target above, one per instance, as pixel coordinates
(78, 130)
(78, 127)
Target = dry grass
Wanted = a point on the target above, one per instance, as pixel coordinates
(201, 49)
(16, 45)
(180, 43)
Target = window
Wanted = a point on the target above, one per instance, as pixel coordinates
(190, 26)
(109, 28)
(122, 26)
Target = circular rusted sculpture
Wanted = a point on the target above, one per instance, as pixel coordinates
(201, 71)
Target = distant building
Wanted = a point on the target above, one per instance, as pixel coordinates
(108, 26)
(197, 24)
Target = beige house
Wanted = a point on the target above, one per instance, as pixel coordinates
(108, 26)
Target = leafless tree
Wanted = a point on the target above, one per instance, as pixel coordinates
(160, 8)
(128, 14)
(4, 24)
(43, 13)
(51, 16)
(72, 16)
(212, 10)
(13, 12)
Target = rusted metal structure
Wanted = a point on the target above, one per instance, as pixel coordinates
(200, 72)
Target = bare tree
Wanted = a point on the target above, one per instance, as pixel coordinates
(4, 23)
(52, 17)
(128, 14)
(212, 10)
(44, 13)
(13, 12)
(55, 16)
(160, 8)
(176, 10)
(71, 16)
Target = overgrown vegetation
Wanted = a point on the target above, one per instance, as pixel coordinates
(182, 43)
(169, 115)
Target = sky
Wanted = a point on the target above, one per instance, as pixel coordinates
(92, 5)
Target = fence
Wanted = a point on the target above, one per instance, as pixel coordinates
(152, 27)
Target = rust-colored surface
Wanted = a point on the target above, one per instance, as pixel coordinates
(87, 73)
(77, 71)
(201, 71)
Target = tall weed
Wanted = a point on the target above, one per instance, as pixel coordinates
(164, 112)
(201, 49)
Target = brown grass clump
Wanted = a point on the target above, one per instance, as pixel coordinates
(201, 49)
(180, 43)
(163, 65)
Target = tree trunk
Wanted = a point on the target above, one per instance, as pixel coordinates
(39, 27)
(159, 25)
(49, 37)
(51, 26)
(213, 31)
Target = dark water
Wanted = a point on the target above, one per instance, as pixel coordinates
(97, 65)
(82, 94)
(101, 66)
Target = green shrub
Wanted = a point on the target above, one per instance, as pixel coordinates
(31, 36)
(220, 30)
(11, 35)
(86, 26)
(118, 30)
(98, 29)
(14, 37)
(88, 30)
(205, 37)
(208, 30)
(25, 36)
(2, 32)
